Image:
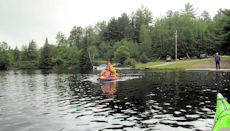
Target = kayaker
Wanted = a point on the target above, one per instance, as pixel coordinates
(108, 71)
(217, 60)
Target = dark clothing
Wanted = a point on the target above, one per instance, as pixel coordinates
(217, 60)
(217, 65)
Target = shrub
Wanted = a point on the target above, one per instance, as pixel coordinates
(130, 62)
(144, 58)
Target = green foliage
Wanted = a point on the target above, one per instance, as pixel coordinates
(75, 37)
(85, 63)
(90, 38)
(105, 50)
(144, 58)
(142, 16)
(205, 16)
(27, 64)
(146, 42)
(16, 54)
(73, 56)
(4, 60)
(32, 53)
(124, 27)
(28, 53)
(93, 52)
(130, 62)
(100, 29)
(111, 33)
(4, 56)
(223, 31)
(134, 49)
(64, 56)
(189, 10)
(24, 53)
(46, 61)
(121, 52)
(61, 39)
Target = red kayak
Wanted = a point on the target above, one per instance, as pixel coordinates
(110, 78)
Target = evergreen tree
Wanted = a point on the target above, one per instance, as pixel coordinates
(112, 33)
(45, 61)
(124, 27)
(24, 53)
(224, 31)
(189, 10)
(146, 42)
(32, 53)
(16, 54)
(4, 56)
(142, 16)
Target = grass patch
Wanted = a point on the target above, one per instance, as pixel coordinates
(224, 58)
(178, 65)
(182, 64)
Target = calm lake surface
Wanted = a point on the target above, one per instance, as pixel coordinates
(140, 100)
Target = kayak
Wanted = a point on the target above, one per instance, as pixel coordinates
(222, 117)
(110, 78)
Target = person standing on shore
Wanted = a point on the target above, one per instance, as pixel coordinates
(217, 60)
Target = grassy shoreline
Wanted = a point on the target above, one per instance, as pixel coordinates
(177, 65)
(155, 65)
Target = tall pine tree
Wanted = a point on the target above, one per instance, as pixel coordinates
(45, 61)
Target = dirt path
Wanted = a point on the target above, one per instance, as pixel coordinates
(211, 64)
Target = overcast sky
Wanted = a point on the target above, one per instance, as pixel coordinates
(24, 20)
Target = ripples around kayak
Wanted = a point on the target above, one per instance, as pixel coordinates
(138, 100)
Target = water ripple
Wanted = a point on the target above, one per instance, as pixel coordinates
(139, 100)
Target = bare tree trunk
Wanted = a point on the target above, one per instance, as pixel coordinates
(90, 59)
(187, 55)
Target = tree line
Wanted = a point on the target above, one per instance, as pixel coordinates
(127, 39)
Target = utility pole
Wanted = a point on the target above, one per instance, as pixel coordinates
(176, 45)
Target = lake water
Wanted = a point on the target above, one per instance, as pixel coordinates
(139, 100)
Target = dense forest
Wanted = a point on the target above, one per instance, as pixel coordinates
(127, 39)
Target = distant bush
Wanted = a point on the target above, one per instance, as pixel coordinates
(27, 64)
(58, 61)
(130, 62)
(120, 53)
(4, 60)
(144, 58)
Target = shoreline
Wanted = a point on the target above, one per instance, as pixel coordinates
(186, 64)
(182, 65)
